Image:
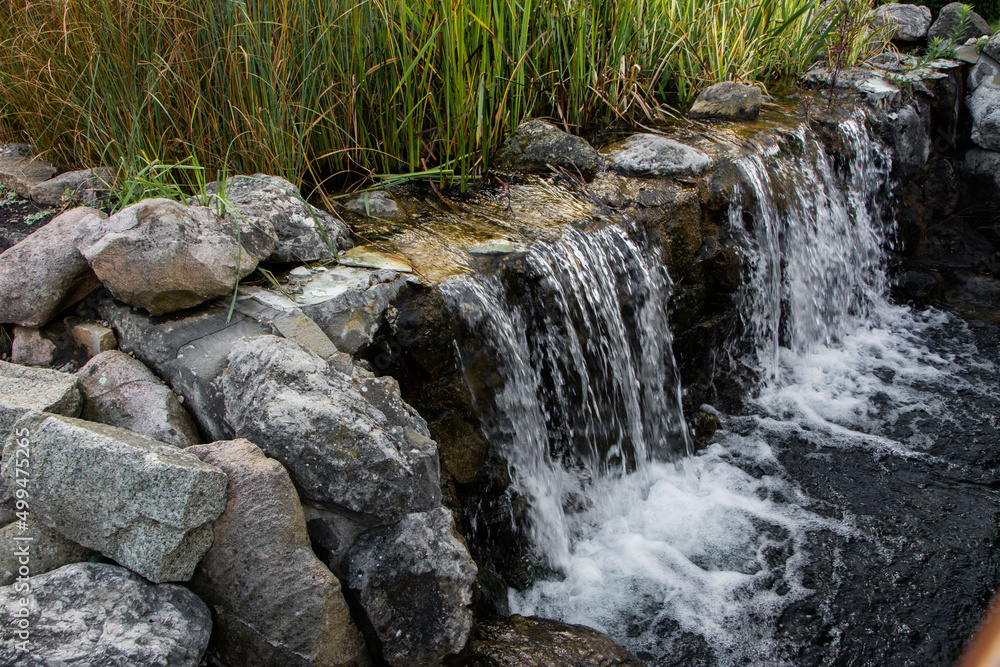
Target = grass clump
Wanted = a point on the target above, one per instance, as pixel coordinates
(312, 89)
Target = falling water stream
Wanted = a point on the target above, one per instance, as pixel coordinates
(703, 558)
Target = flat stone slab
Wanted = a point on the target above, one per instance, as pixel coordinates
(96, 614)
(362, 257)
(145, 504)
(20, 174)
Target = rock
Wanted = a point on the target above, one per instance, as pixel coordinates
(984, 107)
(992, 48)
(426, 466)
(462, 448)
(143, 503)
(986, 71)
(653, 155)
(980, 179)
(43, 548)
(967, 54)
(414, 581)
(907, 23)
(494, 247)
(539, 642)
(365, 258)
(31, 349)
(909, 137)
(377, 204)
(949, 24)
(286, 318)
(728, 100)
(93, 337)
(120, 391)
(339, 449)
(880, 92)
(849, 77)
(21, 173)
(188, 254)
(23, 390)
(86, 186)
(95, 614)
(16, 150)
(275, 603)
(45, 273)
(270, 202)
(352, 318)
(535, 145)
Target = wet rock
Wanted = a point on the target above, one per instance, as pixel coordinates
(984, 107)
(917, 287)
(86, 186)
(30, 348)
(462, 447)
(414, 581)
(46, 550)
(339, 448)
(422, 456)
(143, 503)
(825, 77)
(535, 145)
(188, 254)
(986, 71)
(949, 24)
(378, 204)
(21, 173)
(352, 318)
(23, 390)
(93, 337)
(270, 202)
(908, 134)
(539, 642)
(119, 390)
(95, 614)
(653, 155)
(367, 258)
(907, 23)
(275, 603)
(728, 100)
(45, 273)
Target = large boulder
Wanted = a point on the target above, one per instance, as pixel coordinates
(86, 186)
(120, 391)
(188, 255)
(275, 603)
(729, 101)
(984, 107)
(950, 24)
(907, 131)
(339, 448)
(986, 71)
(414, 581)
(29, 548)
(351, 318)
(95, 614)
(535, 145)
(145, 504)
(653, 155)
(45, 273)
(23, 390)
(304, 233)
(906, 23)
(21, 172)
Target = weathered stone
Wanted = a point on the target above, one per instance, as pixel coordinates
(86, 186)
(338, 448)
(980, 179)
(352, 318)
(462, 448)
(653, 155)
(188, 254)
(275, 603)
(967, 53)
(93, 337)
(286, 318)
(728, 100)
(378, 204)
(992, 48)
(95, 614)
(849, 77)
(30, 348)
(535, 145)
(909, 137)
(368, 258)
(949, 24)
(984, 107)
(906, 23)
(414, 581)
(47, 551)
(269, 202)
(44, 273)
(146, 504)
(985, 72)
(16, 150)
(539, 642)
(119, 390)
(23, 390)
(20, 174)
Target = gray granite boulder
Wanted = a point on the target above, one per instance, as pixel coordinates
(984, 107)
(949, 25)
(20, 173)
(352, 318)
(45, 273)
(653, 155)
(303, 232)
(120, 391)
(145, 504)
(86, 186)
(906, 23)
(95, 614)
(23, 390)
(729, 101)
(535, 145)
(188, 255)
(986, 71)
(414, 581)
(275, 603)
(42, 547)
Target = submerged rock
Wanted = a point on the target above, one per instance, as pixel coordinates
(414, 581)
(45, 273)
(728, 100)
(95, 614)
(653, 155)
(535, 145)
(907, 23)
(275, 603)
(949, 24)
(146, 504)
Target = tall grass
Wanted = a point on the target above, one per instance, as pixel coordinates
(315, 88)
